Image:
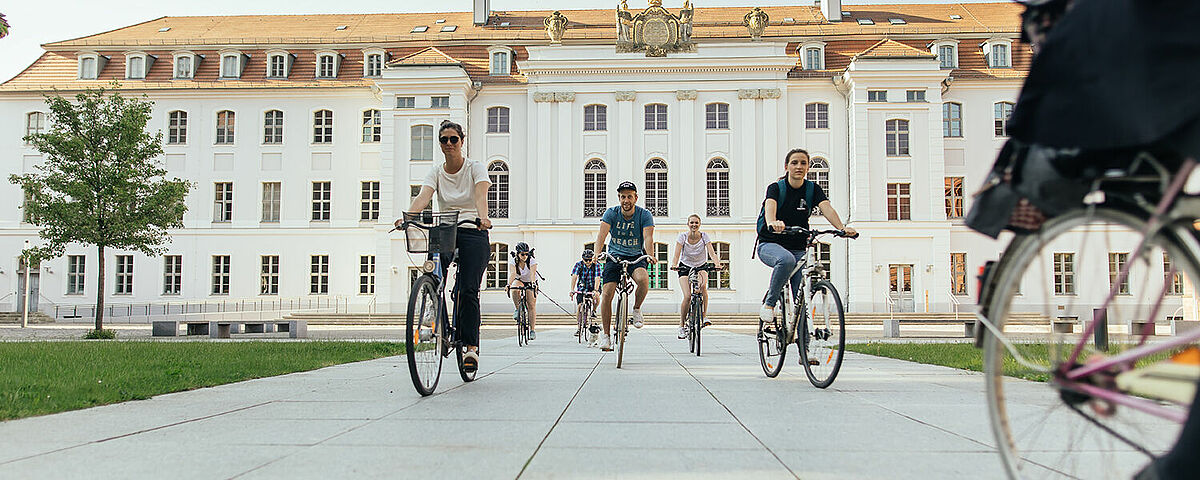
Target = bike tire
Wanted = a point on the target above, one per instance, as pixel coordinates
(580, 321)
(823, 334)
(696, 325)
(423, 354)
(622, 327)
(772, 345)
(522, 326)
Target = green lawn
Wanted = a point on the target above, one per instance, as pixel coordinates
(37, 378)
(967, 357)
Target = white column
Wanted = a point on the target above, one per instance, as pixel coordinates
(748, 170)
(540, 166)
(621, 166)
(564, 138)
(684, 163)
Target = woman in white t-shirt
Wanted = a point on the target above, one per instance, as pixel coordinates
(693, 249)
(522, 271)
(461, 184)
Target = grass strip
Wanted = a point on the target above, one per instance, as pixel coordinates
(966, 357)
(38, 378)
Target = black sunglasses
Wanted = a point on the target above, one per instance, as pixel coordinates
(451, 140)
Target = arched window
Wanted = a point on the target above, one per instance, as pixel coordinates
(595, 118)
(177, 127)
(273, 127)
(816, 115)
(717, 187)
(721, 278)
(1003, 110)
(497, 120)
(497, 267)
(225, 121)
(656, 116)
(372, 126)
(323, 126)
(897, 138)
(656, 187)
(498, 192)
(659, 273)
(35, 123)
(716, 116)
(952, 119)
(818, 172)
(594, 186)
(422, 142)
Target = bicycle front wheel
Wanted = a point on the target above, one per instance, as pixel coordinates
(772, 337)
(423, 333)
(522, 326)
(622, 326)
(823, 335)
(580, 322)
(1044, 427)
(695, 323)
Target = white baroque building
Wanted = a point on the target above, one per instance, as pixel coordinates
(306, 136)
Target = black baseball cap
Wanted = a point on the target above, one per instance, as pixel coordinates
(626, 186)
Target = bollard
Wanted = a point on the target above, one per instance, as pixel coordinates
(1100, 318)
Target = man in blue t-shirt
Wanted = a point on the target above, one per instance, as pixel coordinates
(632, 229)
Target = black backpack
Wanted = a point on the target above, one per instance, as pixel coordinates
(783, 188)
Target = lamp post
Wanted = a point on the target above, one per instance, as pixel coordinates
(25, 308)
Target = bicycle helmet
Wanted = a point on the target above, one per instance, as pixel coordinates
(588, 254)
(523, 247)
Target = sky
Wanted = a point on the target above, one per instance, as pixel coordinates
(37, 22)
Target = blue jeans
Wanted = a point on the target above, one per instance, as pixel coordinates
(781, 261)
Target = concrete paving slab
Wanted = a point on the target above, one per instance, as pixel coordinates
(390, 462)
(667, 462)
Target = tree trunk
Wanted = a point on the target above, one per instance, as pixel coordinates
(100, 289)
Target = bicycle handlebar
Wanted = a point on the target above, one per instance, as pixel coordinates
(815, 233)
(626, 262)
(708, 267)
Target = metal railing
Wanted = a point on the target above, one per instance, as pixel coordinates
(954, 302)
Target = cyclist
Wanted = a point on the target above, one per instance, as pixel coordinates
(584, 276)
(461, 184)
(782, 252)
(522, 269)
(632, 229)
(692, 250)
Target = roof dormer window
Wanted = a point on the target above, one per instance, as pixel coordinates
(90, 65)
(233, 64)
(137, 65)
(998, 53)
(279, 64)
(327, 64)
(947, 53)
(812, 54)
(501, 59)
(185, 64)
(373, 60)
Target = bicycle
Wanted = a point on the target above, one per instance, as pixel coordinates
(522, 312)
(695, 304)
(1102, 408)
(429, 333)
(625, 286)
(583, 313)
(815, 321)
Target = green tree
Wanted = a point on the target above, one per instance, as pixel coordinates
(101, 183)
(3, 26)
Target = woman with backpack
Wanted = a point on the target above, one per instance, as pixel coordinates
(522, 269)
(789, 202)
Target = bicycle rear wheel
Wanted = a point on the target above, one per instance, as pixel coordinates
(622, 325)
(823, 335)
(694, 323)
(772, 337)
(424, 330)
(1043, 429)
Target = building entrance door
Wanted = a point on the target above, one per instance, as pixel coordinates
(900, 286)
(33, 287)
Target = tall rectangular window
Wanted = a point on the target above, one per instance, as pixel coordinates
(278, 68)
(124, 275)
(220, 275)
(35, 123)
(947, 56)
(896, 138)
(271, 193)
(954, 197)
(183, 66)
(439, 102)
(816, 115)
(721, 279)
(500, 63)
(825, 258)
(76, 274)
(370, 201)
(137, 68)
(1116, 262)
(496, 275)
(1002, 111)
(366, 274)
(223, 202)
(716, 116)
(225, 127)
(497, 120)
(325, 66)
(958, 273)
(87, 68)
(659, 274)
(595, 118)
(172, 274)
(318, 283)
(273, 127)
(374, 65)
(999, 56)
(656, 116)
(656, 187)
(323, 127)
(1174, 279)
(322, 199)
(268, 283)
(230, 67)
(177, 128)
(952, 120)
(1064, 273)
(423, 142)
(898, 197)
(372, 126)
(812, 59)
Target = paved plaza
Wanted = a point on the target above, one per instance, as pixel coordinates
(551, 410)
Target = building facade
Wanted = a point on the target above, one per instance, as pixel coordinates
(306, 136)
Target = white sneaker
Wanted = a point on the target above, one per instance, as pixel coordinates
(683, 333)
(766, 313)
(606, 343)
(637, 318)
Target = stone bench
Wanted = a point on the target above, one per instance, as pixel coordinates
(225, 328)
(891, 327)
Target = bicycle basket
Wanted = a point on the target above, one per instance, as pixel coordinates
(432, 232)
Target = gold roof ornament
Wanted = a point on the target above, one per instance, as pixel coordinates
(556, 26)
(756, 22)
(654, 30)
